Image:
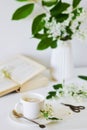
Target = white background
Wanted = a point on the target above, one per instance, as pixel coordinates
(15, 37)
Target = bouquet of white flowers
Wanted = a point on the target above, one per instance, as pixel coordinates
(59, 20)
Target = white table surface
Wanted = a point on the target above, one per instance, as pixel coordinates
(77, 121)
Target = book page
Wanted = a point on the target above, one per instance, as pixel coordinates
(22, 69)
(6, 84)
(35, 83)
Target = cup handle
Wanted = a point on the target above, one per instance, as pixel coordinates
(19, 107)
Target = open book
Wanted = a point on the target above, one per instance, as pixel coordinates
(17, 72)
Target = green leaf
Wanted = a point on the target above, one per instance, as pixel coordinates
(47, 42)
(23, 12)
(40, 36)
(57, 86)
(69, 31)
(68, 37)
(48, 97)
(38, 24)
(44, 44)
(59, 8)
(49, 2)
(69, 34)
(52, 93)
(77, 12)
(45, 113)
(53, 44)
(76, 3)
(83, 77)
(79, 23)
(53, 118)
(61, 17)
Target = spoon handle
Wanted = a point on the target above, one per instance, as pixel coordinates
(40, 125)
(30, 120)
(19, 115)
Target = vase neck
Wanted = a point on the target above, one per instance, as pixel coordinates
(64, 43)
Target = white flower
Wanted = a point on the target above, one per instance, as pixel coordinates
(53, 28)
(76, 24)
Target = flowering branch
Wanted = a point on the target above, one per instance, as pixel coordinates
(60, 21)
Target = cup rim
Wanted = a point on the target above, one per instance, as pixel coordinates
(29, 94)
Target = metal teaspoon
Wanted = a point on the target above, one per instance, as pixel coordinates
(20, 115)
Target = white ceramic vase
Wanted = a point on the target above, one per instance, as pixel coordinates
(62, 62)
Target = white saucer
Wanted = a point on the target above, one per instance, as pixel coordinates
(62, 113)
(29, 123)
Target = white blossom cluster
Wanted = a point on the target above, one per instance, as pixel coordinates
(83, 27)
(58, 29)
(78, 92)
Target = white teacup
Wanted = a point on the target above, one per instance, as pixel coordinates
(30, 105)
